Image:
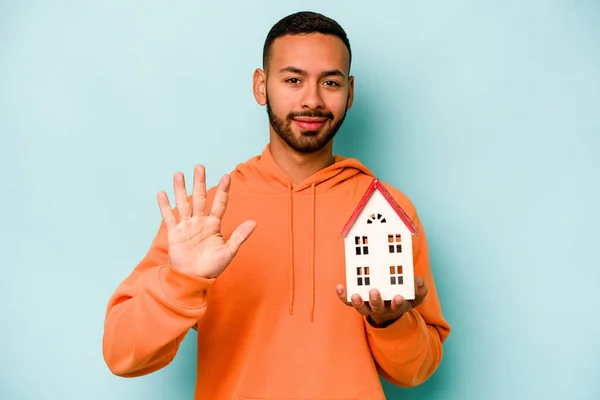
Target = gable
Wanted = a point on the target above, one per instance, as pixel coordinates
(375, 212)
(378, 198)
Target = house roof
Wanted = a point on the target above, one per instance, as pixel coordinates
(376, 184)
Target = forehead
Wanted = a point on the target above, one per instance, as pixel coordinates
(311, 52)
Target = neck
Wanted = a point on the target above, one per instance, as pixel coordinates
(299, 166)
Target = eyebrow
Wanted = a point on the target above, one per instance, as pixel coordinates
(294, 70)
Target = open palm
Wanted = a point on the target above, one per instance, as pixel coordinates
(195, 243)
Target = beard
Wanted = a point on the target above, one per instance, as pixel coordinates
(308, 141)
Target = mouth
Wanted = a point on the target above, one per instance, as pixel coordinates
(309, 123)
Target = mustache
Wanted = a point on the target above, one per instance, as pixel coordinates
(310, 114)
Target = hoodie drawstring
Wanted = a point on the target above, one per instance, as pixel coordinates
(312, 257)
(312, 250)
(291, 209)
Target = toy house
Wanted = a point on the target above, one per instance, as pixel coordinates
(378, 247)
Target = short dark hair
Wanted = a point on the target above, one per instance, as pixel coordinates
(304, 22)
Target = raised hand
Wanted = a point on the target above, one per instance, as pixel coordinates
(196, 245)
(382, 313)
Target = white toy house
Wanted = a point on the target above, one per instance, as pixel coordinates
(378, 247)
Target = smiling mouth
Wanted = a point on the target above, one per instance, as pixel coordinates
(310, 124)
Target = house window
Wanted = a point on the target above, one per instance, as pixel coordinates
(361, 243)
(375, 218)
(394, 243)
(396, 277)
(363, 276)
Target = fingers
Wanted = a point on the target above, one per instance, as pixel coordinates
(360, 305)
(398, 305)
(183, 205)
(420, 291)
(221, 197)
(376, 303)
(166, 211)
(199, 191)
(240, 235)
(341, 293)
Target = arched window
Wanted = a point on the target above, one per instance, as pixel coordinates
(375, 218)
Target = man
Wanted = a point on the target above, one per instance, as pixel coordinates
(256, 264)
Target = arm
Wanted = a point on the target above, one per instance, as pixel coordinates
(409, 350)
(150, 313)
(153, 309)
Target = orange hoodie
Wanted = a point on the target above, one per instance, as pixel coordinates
(271, 325)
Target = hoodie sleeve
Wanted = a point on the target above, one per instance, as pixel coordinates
(409, 351)
(150, 313)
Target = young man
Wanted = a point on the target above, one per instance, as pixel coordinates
(256, 264)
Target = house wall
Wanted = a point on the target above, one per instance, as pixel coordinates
(379, 260)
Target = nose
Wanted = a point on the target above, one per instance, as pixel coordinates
(311, 97)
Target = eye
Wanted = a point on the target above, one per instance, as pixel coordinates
(331, 83)
(293, 81)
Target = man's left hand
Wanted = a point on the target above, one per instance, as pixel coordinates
(381, 313)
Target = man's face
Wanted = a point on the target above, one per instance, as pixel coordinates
(308, 89)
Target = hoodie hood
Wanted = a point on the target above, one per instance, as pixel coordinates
(261, 174)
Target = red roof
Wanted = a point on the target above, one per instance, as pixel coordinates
(370, 190)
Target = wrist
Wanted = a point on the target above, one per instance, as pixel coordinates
(183, 289)
(188, 272)
(382, 324)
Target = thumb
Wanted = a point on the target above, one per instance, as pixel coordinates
(239, 236)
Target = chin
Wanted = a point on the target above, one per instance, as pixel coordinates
(309, 133)
(302, 132)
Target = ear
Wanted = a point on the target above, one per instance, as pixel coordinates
(260, 86)
(350, 92)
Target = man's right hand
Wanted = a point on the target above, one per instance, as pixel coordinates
(196, 246)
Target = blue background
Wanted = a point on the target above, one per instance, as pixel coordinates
(486, 114)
